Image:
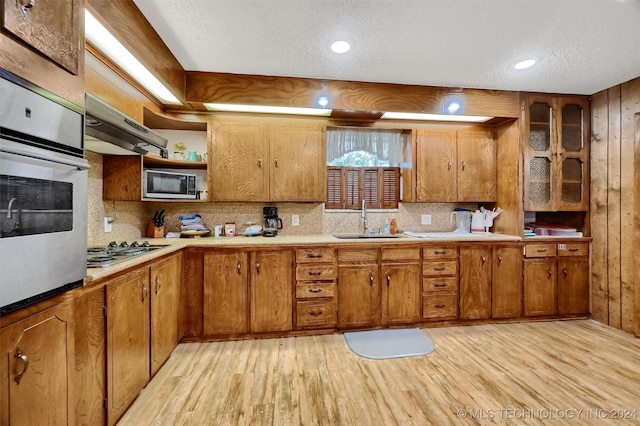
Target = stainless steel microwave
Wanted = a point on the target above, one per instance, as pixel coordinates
(169, 185)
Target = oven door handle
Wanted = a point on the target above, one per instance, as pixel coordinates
(80, 164)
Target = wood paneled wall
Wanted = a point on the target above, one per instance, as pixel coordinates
(615, 200)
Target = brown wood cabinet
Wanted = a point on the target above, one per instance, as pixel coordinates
(456, 165)
(506, 288)
(540, 280)
(556, 153)
(316, 275)
(165, 300)
(475, 281)
(128, 340)
(271, 276)
(440, 283)
(226, 298)
(358, 288)
(268, 160)
(37, 359)
(134, 302)
(573, 278)
(400, 275)
(123, 175)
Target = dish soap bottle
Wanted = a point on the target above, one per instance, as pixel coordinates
(386, 226)
(393, 226)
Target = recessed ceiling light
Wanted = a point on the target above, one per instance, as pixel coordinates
(522, 65)
(340, 46)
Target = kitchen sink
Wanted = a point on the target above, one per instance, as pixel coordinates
(365, 236)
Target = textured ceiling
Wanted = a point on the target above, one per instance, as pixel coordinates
(582, 46)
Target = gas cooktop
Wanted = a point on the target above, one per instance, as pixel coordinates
(103, 256)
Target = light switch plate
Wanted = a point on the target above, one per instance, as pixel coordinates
(107, 224)
(295, 220)
(426, 219)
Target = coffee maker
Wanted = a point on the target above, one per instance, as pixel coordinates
(271, 221)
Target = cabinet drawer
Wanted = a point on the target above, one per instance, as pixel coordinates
(540, 250)
(436, 252)
(319, 313)
(315, 290)
(316, 272)
(357, 255)
(439, 306)
(445, 267)
(440, 284)
(316, 255)
(573, 249)
(409, 253)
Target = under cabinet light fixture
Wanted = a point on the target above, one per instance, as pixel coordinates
(104, 41)
(434, 117)
(267, 109)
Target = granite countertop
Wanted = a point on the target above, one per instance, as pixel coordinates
(176, 244)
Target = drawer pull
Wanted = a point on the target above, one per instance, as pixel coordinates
(440, 252)
(439, 268)
(314, 255)
(315, 273)
(440, 285)
(541, 250)
(440, 306)
(25, 361)
(315, 313)
(573, 249)
(315, 290)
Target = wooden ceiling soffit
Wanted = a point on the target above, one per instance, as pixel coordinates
(171, 121)
(125, 21)
(348, 96)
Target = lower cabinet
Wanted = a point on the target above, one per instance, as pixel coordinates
(135, 350)
(36, 367)
(358, 288)
(400, 275)
(573, 279)
(271, 290)
(540, 280)
(440, 283)
(316, 274)
(475, 282)
(225, 293)
(506, 283)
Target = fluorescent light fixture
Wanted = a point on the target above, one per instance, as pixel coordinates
(340, 46)
(523, 65)
(434, 117)
(112, 48)
(267, 109)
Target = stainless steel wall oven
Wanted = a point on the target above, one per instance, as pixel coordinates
(43, 194)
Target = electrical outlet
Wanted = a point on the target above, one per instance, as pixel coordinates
(426, 219)
(107, 224)
(295, 220)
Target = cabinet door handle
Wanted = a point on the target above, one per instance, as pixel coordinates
(260, 162)
(449, 165)
(550, 273)
(239, 266)
(462, 165)
(275, 162)
(370, 280)
(499, 259)
(25, 361)
(388, 280)
(257, 266)
(484, 260)
(145, 292)
(158, 285)
(564, 273)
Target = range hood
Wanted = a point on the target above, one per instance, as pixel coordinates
(103, 123)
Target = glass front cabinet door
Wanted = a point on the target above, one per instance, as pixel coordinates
(556, 153)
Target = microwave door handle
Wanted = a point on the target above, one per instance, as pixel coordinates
(80, 165)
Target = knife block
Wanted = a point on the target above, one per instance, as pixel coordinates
(154, 231)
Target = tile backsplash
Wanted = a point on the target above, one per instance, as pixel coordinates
(131, 218)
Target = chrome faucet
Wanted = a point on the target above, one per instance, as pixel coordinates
(363, 215)
(18, 224)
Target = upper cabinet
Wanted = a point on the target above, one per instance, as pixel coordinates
(556, 153)
(256, 160)
(456, 165)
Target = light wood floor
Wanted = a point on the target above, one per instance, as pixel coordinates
(529, 373)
